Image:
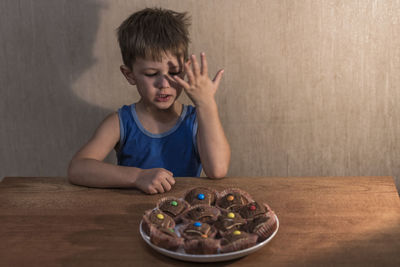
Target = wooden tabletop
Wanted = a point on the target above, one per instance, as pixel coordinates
(334, 221)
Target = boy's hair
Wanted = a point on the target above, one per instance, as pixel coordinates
(151, 32)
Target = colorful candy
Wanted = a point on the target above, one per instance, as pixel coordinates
(231, 215)
(197, 224)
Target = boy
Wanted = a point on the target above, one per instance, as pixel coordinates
(157, 138)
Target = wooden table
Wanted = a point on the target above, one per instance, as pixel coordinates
(334, 221)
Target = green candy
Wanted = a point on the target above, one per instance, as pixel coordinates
(174, 203)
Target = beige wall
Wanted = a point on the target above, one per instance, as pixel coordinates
(310, 88)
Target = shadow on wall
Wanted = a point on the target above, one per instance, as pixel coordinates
(46, 46)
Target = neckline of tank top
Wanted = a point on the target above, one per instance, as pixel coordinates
(160, 135)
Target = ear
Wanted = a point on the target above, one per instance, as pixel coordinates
(128, 73)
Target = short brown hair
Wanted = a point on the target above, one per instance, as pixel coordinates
(151, 32)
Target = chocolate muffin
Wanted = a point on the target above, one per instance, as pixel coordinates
(173, 206)
(237, 240)
(197, 230)
(229, 221)
(233, 199)
(263, 226)
(202, 213)
(158, 219)
(199, 238)
(201, 246)
(201, 195)
(205, 221)
(165, 238)
(252, 210)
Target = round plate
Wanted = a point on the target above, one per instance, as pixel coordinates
(181, 255)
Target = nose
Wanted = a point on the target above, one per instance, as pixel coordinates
(163, 82)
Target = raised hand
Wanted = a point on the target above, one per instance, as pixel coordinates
(199, 87)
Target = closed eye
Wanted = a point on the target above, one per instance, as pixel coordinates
(175, 73)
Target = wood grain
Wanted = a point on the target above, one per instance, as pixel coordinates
(334, 221)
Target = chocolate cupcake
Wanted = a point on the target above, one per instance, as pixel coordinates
(201, 246)
(233, 199)
(263, 226)
(158, 219)
(252, 210)
(165, 238)
(199, 238)
(197, 230)
(173, 206)
(228, 222)
(201, 213)
(201, 195)
(237, 240)
(205, 221)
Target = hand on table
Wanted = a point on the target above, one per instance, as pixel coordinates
(153, 181)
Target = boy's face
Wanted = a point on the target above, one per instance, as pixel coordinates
(154, 80)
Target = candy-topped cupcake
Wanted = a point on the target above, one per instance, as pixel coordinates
(262, 225)
(165, 238)
(197, 229)
(173, 206)
(237, 240)
(199, 238)
(233, 199)
(158, 219)
(229, 221)
(201, 195)
(201, 213)
(252, 210)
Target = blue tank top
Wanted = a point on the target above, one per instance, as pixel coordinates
(174, 150)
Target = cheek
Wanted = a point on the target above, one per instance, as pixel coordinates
(145, 83)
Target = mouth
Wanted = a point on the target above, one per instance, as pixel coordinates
(163, 97)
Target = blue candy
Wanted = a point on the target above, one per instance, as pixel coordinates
(200, 196)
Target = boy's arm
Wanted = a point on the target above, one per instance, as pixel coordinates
(87, 167)
(212, 144)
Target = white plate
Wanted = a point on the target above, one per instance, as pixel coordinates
(181, 255)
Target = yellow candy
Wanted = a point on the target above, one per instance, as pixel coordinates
(160, 216)
(231, 215)
(230, 198)
(237, 232)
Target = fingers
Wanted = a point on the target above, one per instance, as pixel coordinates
(218, 77)
(169, 173)
(166, 185)
(163, 182)
(189, 72)
(204, 66)
(195, 65)
(152, 191)
(181, 82)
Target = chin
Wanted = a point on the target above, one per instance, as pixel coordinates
(165, 105)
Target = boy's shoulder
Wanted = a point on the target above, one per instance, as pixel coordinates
(190, 108)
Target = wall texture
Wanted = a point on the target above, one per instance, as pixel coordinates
(311, 88)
